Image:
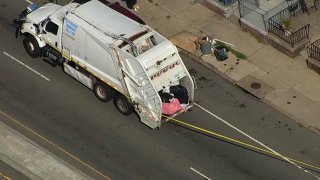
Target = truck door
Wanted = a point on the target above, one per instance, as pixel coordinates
(52, 34)
(143, 93)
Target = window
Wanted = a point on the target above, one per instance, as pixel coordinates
(52, 27)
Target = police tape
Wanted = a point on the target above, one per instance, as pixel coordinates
(5, 177)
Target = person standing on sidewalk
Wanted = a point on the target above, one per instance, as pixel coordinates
(131, 3)
(303, 6)
(314, 4)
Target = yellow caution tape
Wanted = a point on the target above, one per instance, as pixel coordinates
(5, 177)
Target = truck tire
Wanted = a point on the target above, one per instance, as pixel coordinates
(32, 47)
(103, 92)
(123, 105)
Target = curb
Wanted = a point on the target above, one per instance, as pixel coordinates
(311, 128)
(28, 173)
(15, 164)
(18, 167)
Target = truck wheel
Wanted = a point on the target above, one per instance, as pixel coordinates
(123, 105)
(32, 47)
(103, 92)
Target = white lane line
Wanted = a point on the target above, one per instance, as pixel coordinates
(204, 176)
(26, 66)
(260, 143)
(28, 1)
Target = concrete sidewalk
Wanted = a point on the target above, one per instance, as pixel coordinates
(283, 82)
(31, 160)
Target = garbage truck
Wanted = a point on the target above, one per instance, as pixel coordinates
(116, 57)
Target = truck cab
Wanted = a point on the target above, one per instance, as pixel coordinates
(42, 27)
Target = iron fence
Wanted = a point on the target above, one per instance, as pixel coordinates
(276, 27)
(258, 16)
(314, 50)
(281, 16)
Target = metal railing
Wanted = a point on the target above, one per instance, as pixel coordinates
(314, 50)
(281, 16)
(275, 26)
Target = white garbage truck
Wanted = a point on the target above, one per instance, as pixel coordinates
(113, 55)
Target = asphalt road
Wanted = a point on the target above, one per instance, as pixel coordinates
(68, 114)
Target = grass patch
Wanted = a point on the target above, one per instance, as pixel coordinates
(238, 54)
(194, 1)
(150, 1)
